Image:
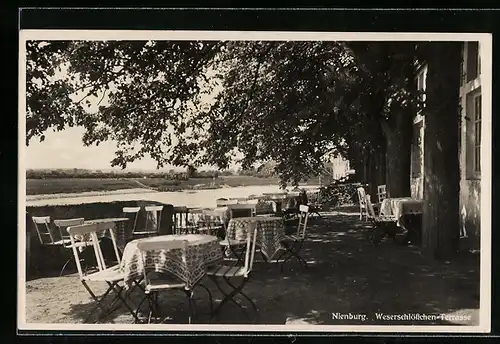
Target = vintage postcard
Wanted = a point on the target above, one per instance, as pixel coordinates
(254, 181)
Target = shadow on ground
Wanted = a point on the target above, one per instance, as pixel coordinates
(346, 275)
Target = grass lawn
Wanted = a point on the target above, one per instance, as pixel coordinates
(75, 185)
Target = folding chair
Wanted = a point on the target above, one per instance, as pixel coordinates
(381, 193)
(112, 276)
(363, 211)
(166, 282)
(212, 223)
(131, 213)
(315, 206)
(228, 274)
(241, 210)
(237, 211)
(385, 225)
(292, 244)
(152, 224)
(222, 202)
(182, 223)
(43, 231)
(65, 241)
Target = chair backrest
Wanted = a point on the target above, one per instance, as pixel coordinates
(381, 193)
(42, 227)
(369, 206)
(90, 231)
(222, 202)
(248, 201)
(181, 217)
(250, 248)
(135, 212)
(195, 215)
(153, 217)
(147, 246)
(241, 210)
(303, 217)
(62, 225)
(362, 196)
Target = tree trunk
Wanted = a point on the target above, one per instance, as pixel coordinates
(398, 156)
(440, 225)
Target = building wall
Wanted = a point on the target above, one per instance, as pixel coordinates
(470, 179)
(340, 167)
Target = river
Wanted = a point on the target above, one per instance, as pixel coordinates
(189, 198)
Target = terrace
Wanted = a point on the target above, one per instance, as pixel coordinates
(346, 274)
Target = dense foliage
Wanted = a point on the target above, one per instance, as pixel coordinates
(193, 103)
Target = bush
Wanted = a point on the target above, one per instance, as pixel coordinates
(338, 193)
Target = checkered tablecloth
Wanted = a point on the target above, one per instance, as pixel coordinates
(270, 232)
(203, 251)
(401, 206)
(121, 230)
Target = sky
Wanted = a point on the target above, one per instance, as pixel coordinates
(65, 149)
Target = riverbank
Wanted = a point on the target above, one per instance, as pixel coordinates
(189, 198)
(57, 186)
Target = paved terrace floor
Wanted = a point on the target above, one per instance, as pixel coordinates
(346, 275)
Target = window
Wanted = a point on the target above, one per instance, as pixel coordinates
(477, 133)
(473, 64)
(421, 79)
(459, 126)
(473, 135)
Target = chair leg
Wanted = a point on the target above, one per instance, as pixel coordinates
(98, 303)
(209, 298)
(293, 251)
(227, 298)
(66, 264)
(192, 306)
(238, 290)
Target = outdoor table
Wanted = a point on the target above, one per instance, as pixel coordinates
(401, 206)
(270, 232)
(405, 209)
(120, 229)
(203, 251)
(278, 198)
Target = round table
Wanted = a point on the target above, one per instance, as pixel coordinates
(270, 232)
(120, 230)
(203, 251)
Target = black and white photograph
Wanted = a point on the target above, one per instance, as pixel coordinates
(223, 180)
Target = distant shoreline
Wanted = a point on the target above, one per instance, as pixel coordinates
(40, 197)
(57, 188)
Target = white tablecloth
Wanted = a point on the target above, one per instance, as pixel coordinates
(401, 206)
(203, 251)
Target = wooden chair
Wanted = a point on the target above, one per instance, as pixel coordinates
(385, 225)
(381, 193)
(133, 214)
(363, 211)
(153, 286)
(152, 224)
(65, 241)
(181, 221)
(241, 210)
(212, 223)
(231, 273)
(222, 202)
(292, 244)
(112, 276)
